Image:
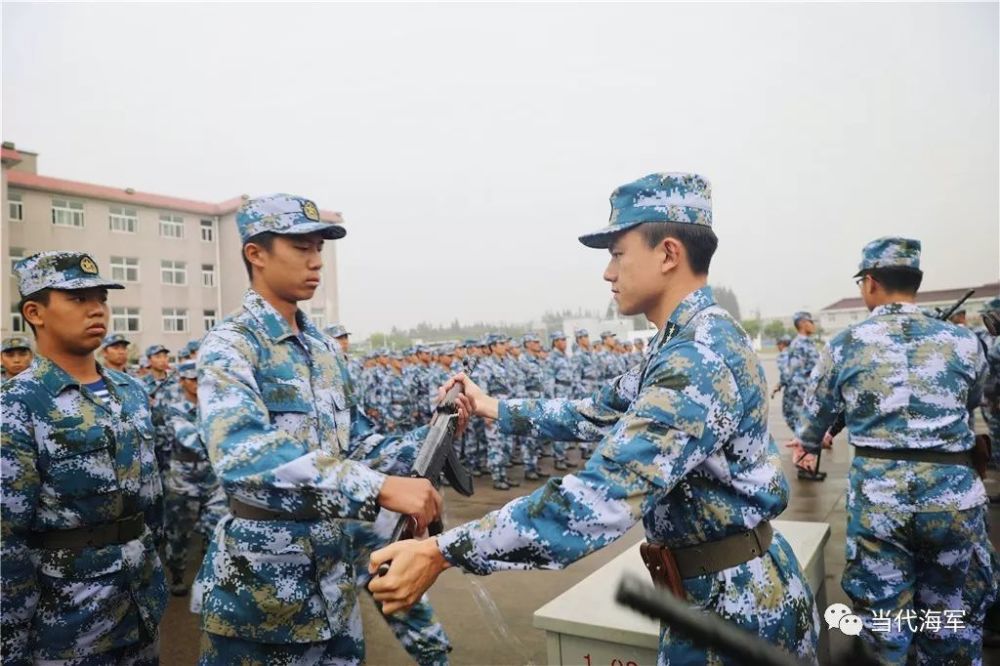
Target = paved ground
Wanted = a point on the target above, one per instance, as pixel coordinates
(489, 619)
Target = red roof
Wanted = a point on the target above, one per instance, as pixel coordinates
(33, 181)
(9, 155)
(984, 291)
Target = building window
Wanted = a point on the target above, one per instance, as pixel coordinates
(175, 320)
(125, 269)
(15, 209)
(123, 219)
(173, 272)
(125, 320)
(17, 320)
(208, 319)
(207, 275)
(16, 255)
(318, 317)
(171, 226)
(208, 231)
(66, 213)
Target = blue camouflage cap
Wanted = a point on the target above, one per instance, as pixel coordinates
(556, 335)
(336, 330)
(890, 252)
(470, 342)
(152, 350)
(784, 339)
(114, 339)
(283, 214)
(494, 338)
(143, 361)
(192, 346)
(580, 333)
(529, 337)
(16, 342)
(187, 370)
(992, 305)
(684, 198)
(800, 315)
(607, 334)
(59, 270)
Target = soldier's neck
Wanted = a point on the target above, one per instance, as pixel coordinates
(82, 368)
(674, 292)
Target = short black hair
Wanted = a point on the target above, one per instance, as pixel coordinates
(40, 296)
(898, 280)
(265, 239)
(698, 239)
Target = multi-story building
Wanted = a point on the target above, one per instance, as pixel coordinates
(838, 316)
(179, 259)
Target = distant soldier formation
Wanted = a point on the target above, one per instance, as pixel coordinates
(398, 389)
(291, 456)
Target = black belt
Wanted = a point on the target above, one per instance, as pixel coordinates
(187, 455)
(118, 532)
(915, 455)
(249, 512)
(715, 556)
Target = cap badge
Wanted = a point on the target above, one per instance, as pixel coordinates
(310, 211)
(87, 265)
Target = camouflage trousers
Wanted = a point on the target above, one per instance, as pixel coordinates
(475, 445)
(224, 650)
(768, 596)
(920, 578)
(992, 418)
(791, 402)
(498, 446)
(147, 654)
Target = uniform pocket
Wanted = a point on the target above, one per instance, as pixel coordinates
(80, 461)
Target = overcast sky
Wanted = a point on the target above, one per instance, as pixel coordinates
(468, 145)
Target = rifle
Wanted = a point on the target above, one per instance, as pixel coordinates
(840, 421)
(703, 629)
(437, 456)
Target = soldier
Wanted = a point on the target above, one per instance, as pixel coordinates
(194, 498)
(81, 581)
(515, 373)
(301, 472)
(782, 362)
(163, 390)
(563, 389)
(683, 446)
(588, 374)
(534, 372)
(991, 391)
(491, 372)
(143, 370)
(16, 356)
(803, 352)
(916, 533)
(114, 352)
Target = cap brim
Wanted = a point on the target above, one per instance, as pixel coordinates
(86, 283)
(603, 238)
(327, 230)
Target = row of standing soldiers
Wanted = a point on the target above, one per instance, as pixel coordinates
(398, 389)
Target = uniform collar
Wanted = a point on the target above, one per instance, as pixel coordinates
(274, 324)
(56, 380)
(895, 308)
(692, 304)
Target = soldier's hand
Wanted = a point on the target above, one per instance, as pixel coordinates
(414, 566)
(827, 440)
(466, 408)
(482, 404)
(416, 498)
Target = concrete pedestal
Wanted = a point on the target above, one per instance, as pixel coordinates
(584, 625)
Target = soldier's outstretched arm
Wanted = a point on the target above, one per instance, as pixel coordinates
(663, 436)
(20, 483)
(265, 466)
(560, 419)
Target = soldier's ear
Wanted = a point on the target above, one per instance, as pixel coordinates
(32, 311)
(672, 250)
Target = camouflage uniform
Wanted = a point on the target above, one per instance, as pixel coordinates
(194, 501)
(512, 366)
(490, 374)
(162, 393)
(684, 447)
(916, 533)
(803, 352)
(71, 459)
(533, 372)
(561, 370)
(281, 435)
